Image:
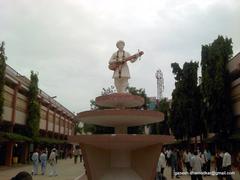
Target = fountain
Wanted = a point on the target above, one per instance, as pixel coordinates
(120, 156)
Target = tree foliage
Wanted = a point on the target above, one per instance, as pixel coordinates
(77, 128)
(105, 91)
(185, 119)
(109, 90)
(139, 92)
(216, 87)
(3, 59)
(164, 107)
(33, 118)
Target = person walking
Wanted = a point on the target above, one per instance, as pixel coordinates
(80, 154)
(187, 157)
(207, 155)
(57, 154)
(226, 164)
(238, 162)
(174, 163)
(75, 154)
(196, 164)
(43, 159)
(52, 162)
(161, 166)
(35, 159)
(218, 161)
(179, 161)
(203, 160)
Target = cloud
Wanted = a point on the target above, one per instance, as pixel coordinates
(70, 42)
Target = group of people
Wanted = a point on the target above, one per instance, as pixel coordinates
(196, 163)
(42, 159)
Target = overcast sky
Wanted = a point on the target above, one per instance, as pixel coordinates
(69, 42)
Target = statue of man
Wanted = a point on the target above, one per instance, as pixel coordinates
(118, 63)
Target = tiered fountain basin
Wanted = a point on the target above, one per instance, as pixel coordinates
(122, 141)
(120, 156)
(118, 100)
(120, 117)
(122, 114)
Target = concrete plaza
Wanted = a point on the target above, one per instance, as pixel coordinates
(167, 174)
(66, 170)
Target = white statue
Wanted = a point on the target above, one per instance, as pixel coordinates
(118, 63)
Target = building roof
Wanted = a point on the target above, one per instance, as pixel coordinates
(234, 64)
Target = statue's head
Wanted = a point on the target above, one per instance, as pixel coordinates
(120, 44)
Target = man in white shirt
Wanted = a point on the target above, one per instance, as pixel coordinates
(35, 159)
(52, 162)
(196, 164)
(207, 156)
(161, 165)
(226, 164)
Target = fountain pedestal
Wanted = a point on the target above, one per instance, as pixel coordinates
(120, 156)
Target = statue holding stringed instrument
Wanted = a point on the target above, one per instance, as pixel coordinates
(118, 64)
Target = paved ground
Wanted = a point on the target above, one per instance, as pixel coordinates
(66, 169)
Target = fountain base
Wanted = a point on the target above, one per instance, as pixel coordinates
(121, 155)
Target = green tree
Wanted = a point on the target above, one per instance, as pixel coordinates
(164, 107)
(109, 90)
(3, 59)
(216, 86)
(185, 121)
(77, 128)
(33, 118)
(93, 105)
(89, 128)
(139, 92)
(105, 91)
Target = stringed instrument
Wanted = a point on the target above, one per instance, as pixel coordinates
(115, 65)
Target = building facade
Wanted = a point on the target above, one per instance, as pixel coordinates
(56, 122)
(234, 69)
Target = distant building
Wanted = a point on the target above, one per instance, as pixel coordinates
(234, 69)
(56, 122)
(152, 103)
